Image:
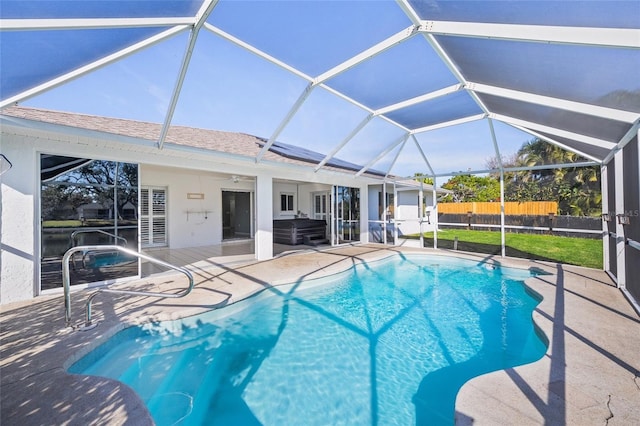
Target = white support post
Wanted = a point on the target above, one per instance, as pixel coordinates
(503, 240)
(384, 212)
(604, 189)
(264, 217)
(333, 213)
(503, 244)
(620, 240)
(421, 212)
(364, 214)
(434, 213)
(395, 213)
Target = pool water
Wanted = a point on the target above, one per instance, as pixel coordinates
(387, 343)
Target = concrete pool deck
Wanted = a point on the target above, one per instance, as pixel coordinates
(589, 375)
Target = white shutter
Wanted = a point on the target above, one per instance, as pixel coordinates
(153, 219)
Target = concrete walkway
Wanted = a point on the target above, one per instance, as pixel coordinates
(588, 376)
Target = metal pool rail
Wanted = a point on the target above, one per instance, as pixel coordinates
(66, 280)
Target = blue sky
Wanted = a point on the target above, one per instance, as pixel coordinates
(228, 88)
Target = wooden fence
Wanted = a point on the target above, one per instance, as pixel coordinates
(532, 208)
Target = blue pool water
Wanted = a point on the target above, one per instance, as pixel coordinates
(388, 343)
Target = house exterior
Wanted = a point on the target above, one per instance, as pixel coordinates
(73, 175)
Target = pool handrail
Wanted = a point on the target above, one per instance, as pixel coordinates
(67, 284)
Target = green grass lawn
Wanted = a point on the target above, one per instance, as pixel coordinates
(570, 250)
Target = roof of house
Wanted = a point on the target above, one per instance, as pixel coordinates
(240, 144)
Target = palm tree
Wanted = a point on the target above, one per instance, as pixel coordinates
(576, 189)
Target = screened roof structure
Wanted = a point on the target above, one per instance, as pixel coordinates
(432, 87)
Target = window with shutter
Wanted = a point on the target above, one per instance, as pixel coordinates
(153, 218)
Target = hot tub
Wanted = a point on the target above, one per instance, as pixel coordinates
(294, 231)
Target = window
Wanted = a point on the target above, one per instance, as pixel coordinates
(286, 203)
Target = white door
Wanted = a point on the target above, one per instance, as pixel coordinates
(320, 209)
(153, 216)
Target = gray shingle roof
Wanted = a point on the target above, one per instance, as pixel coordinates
(240, 144)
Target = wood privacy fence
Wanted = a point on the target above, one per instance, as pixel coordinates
(531, 208)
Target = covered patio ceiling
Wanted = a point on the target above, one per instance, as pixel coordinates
(432, 87)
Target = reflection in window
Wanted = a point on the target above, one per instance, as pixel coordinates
(87, 202)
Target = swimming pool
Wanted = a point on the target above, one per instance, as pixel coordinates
(389, 342)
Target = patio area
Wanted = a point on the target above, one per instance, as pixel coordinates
(227, 254)
(589, 375)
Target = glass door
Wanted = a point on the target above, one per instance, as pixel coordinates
(87, 202)
(237, 215)
(320, 210)
(345, 214)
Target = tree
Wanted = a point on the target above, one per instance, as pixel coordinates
(576, 189)
(61, 202)
(472, 188)
(423, 178)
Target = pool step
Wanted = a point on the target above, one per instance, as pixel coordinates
(210, 385)
(172, 400)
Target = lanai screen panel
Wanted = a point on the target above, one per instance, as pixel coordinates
(443, 109)
(404, 71)
(631, 190)
(30, 58)
(595, 151)
(589, 125)
(312, 36)
(38, 9)
(632, 209)
(593, 75)
(445, 149)
(621, 14)
(317, 37)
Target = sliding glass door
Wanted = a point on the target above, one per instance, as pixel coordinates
(86, 202)
(237, 215)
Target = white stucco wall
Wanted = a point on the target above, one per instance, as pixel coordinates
(19, 251)
(192, 222)
(408, 212)
(373, 192)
